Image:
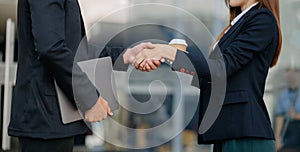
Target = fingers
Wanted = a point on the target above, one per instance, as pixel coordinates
(99, 111)
(106, 106)
(138, 60)
(156, 63)
(138, 63)
(94, 117)
(142, 57)
(142, 65)
(151, 65)
(148, 58)
(130, 54)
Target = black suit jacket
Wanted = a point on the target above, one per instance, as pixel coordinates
(248, 49)
(49, 33)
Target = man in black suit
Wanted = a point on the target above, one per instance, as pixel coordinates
(49, 34)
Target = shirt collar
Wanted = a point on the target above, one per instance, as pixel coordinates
(236, 19)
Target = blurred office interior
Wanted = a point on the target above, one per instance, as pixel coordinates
(213, 14)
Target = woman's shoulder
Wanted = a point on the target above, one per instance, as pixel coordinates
(263, 15)
(262, 12)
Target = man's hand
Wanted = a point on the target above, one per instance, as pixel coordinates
(129, 55)
(98, 112)
(149, 59)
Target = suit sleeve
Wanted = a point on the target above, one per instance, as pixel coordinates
(48, 29)
(254, 38)
(258, 34)
(116, 54)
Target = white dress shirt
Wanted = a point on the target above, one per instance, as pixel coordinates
(237, 18)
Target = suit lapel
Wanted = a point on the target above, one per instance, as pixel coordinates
(236, 25)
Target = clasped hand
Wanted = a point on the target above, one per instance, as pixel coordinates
(145, 57)
(148, 56)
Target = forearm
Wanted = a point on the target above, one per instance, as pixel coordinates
(116, 54)
(278, 127)
(193, 62)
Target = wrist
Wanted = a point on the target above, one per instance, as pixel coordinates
(170, 53)
(278, 137)
(125, 57)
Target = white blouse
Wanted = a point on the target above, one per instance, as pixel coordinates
(237, 18)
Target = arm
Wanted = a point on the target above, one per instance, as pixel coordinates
(279, 121)
(148, 60)
(117, 56)
(256, 36)
(279, 125)
(48, 30)
(121, 57)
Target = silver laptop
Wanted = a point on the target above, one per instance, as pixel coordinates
(100, 73)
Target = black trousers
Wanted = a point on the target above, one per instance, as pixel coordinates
(49, 145)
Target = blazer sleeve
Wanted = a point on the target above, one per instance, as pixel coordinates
(116, 54)
(254, 38)
(48, 29)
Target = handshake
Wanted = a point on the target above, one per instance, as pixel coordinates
(145, 57)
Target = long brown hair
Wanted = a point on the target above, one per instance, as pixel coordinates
(273, 6)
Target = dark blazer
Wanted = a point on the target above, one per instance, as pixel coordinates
(248, 49)
(49, 33)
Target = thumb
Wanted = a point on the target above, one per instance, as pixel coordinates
(110, 112)
(149, 45)
(105, 103)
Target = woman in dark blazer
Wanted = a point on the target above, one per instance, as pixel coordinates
(249, 46)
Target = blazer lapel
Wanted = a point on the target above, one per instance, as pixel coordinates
(236, 25)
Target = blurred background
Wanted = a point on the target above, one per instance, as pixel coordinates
(214, 16)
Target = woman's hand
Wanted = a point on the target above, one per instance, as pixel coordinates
(149, 59)
(131, 53)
